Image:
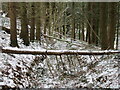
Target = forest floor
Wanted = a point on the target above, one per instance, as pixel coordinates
(37, 71)
(32, 71)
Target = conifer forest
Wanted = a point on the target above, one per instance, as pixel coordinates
(59, 45)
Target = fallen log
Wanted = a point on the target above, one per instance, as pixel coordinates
(57, 52)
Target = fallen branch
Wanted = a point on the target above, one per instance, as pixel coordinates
(57, 52)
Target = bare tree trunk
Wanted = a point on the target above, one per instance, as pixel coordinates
(32, 22)
(38, 22)
(97, 40)
(103, 25)
(24, 24)
(93, 23)
(118, 25)
(13, 32)
(83, 26)
(46, 25)
(73, 22)
(88, 34)
(112, 24)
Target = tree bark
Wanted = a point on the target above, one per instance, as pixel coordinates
(73, 21)
(103, 25)
(112, 24)
(32, 22)
(46, 12)
(118, 25)
(38, 22)
(88, 34)
(13, 30)
(24, 24)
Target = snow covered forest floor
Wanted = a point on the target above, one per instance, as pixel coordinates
(65, 71)
(38, 71)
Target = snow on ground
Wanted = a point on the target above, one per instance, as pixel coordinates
(38, 71)
(25, 71)
(12, 66)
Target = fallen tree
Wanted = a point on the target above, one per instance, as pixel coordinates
(57, 52)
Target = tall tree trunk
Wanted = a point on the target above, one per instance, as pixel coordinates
(118, 25)
(50, 19)
(32, 22)
(13, 32)
(97, 37)
(46, 25)
(88, 34)
(24, 24)
(95, 23)
(38, 22)
(93, 31)
(82, 24)
(103, 25)
(73, 21)
(112, 24)
(64, 20)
